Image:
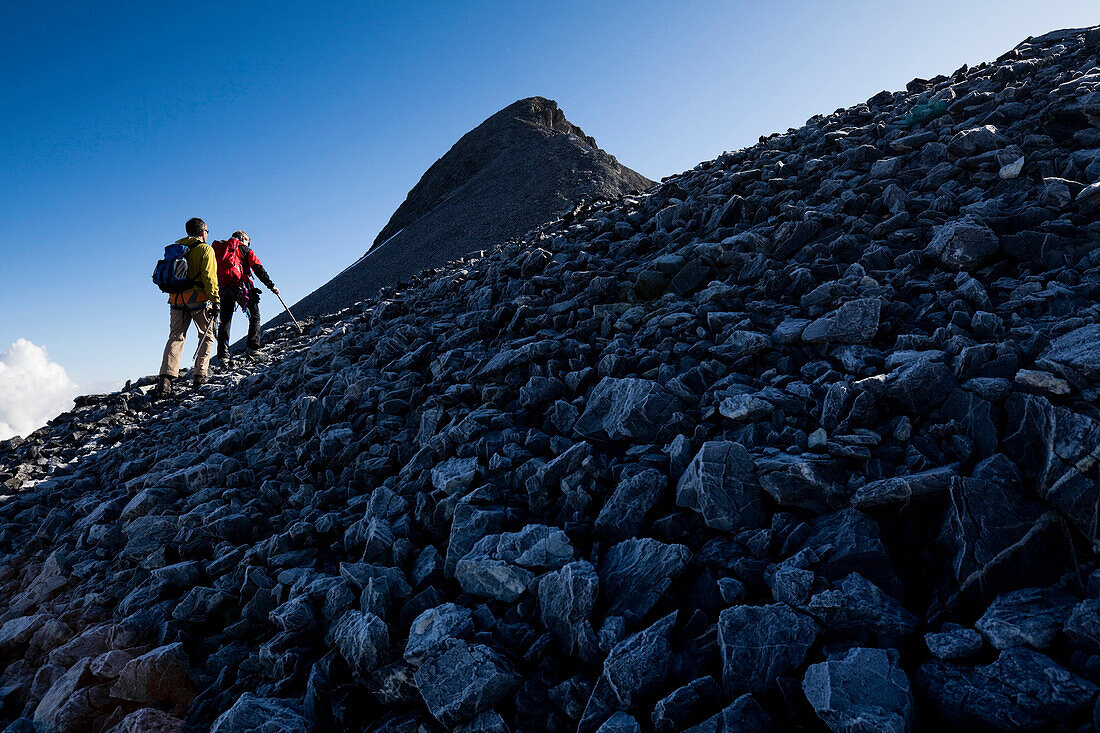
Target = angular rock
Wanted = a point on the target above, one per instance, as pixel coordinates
(635, 575)
(855, 322)
(620, 722)
(963, 244)
(903, 489)
(1078, 352)
(362, 639)
(864, 690)
(463, 681)
(1021, 690)
(803, 481)
(953, 642)
(158, 676)
(431, 630)
(624, 513)
(743, 714)
(720, 484)
(759, 644)
(860, 610)
(271, 715)
(1030, 617)
(626, 409)
(567, 599)
(1058, 450)
(149, 720)
(633, 670)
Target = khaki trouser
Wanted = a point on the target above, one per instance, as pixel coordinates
(173, 350)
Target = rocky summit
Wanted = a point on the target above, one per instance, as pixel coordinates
(805, 438)
(521, 168)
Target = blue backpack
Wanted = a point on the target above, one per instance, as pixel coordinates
(170, 274)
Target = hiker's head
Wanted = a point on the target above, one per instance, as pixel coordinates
(196, 228)
(241, 237)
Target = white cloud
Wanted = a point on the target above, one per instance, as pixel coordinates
(33, 389)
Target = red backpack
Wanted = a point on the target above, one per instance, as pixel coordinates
(230, 266)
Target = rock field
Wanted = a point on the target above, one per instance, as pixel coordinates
(805, 438)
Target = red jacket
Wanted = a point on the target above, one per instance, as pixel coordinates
(236, 262)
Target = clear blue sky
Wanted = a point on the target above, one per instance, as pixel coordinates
(307, 123)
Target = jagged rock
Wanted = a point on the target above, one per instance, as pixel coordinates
(463, 681)
(623, 515)
(633, 670)
(620, 722)
(720, 483)
(964, 244)
(493, 578)
(953, 642)
(903, 489)
(17, 632)
(361, 638)
(626, 409)
(761, 643)
(70, 703)
(635, 574)
(743, 714)
(149, 720)
(252, 713)
(862, 611)
(920, 384)
(430, 631)
(1029, 616)
(995, 535)
(1083, 625)
(455, 475)
(677, 709)
(1021, 690)
(848, 542)
(487, 722)
(1056, 448)
(1077, 351)
(567, 598)
(855, 322)
(862, 691)
(160, 675)
(803, 481)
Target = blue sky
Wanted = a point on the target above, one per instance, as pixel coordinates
(307, 123)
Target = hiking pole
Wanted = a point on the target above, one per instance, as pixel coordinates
(209, 325)
(300, 331)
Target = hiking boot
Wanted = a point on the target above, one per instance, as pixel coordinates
(200, 379)
(251, 355)
(164, 386)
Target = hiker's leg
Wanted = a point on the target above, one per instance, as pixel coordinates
(173, 350)
(206, 345)
(254, 319)
(229, 297)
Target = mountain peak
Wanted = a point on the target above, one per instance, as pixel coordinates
(522, 167)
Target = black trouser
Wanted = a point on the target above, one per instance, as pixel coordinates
(230, 294)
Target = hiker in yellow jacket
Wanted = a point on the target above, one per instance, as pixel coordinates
(199, 305)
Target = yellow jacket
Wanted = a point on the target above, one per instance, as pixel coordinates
(202, 267)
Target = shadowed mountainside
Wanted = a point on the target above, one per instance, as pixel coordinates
(523, 167)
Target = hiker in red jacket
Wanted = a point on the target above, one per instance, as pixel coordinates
(236, 263)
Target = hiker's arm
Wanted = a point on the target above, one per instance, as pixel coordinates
(259, 269)
(208, 273)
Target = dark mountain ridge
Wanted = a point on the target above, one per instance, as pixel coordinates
(524, 166)
(806, 437)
